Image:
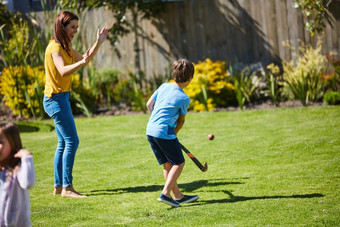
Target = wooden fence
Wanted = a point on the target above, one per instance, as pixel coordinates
(236, 31)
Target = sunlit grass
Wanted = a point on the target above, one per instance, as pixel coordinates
(268, 167)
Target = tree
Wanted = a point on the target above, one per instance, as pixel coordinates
(316, 12)
(145, 8)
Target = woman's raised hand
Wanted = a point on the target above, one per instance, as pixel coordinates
(101, 35)
(86, 57)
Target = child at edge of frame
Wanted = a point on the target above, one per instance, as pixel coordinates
(168, 106)
(17, 175)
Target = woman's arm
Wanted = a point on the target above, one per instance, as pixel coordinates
(81, 60)
(66, 70)
(101, 37)
(77, 56)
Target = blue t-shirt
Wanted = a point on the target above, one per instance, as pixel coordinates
(170, 102)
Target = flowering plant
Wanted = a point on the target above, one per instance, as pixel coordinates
(22, 88)
(210, 87)
(303, 78)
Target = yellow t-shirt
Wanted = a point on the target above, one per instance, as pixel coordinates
(55, 83)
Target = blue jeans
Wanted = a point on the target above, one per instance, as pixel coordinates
(58, 107)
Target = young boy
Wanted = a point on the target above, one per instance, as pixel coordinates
(168, 106)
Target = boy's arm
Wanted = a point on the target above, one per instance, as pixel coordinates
(150, 104)
(180, 123)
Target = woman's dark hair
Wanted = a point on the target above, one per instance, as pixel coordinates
(11, 132)
(63, 19)
(182, 70)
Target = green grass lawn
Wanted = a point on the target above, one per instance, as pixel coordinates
(266, 167)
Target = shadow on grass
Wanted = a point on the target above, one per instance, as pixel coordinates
(35, 127)
(233, 199)
(187, 187)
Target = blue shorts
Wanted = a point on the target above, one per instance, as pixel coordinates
(166, 150)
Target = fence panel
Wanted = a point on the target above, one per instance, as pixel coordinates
(235, 31)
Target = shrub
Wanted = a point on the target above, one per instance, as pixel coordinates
(246, 84)
(140, 92)
(104, 85)
(303, 80)
(109, 86)
(273, 82)
(21, 43)
(81, 99)
(332, 98)
(333, 79)
(22, 90)
(210, 87)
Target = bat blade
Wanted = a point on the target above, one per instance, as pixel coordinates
(195, 160)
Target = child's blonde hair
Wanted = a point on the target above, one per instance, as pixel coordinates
(11, 132)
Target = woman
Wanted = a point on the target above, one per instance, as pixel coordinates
(61, 61)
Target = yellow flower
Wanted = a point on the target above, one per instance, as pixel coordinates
(209, 87)
(274, 69)
(18, 86)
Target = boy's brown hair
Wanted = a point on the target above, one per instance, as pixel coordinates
(182, 70)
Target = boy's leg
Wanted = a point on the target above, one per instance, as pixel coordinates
(175, 189)
(169, 153)
(171, 181)
(177, 194)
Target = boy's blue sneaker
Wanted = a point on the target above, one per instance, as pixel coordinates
(168, 200)
(187, 199)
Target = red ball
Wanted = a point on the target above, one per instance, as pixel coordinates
(211, 136)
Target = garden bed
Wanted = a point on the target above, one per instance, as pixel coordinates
(7, 115)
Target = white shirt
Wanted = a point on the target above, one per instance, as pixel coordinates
(15, 208)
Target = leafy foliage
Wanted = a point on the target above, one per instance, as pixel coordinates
(274, 81)
(316, 12)
(104, 84)
(22, 88)
(332, 98)
(303, 80)
(210, 87)
(333, 79)
(245, 84)
(120, 9)
(20, 43)
(81, 96)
